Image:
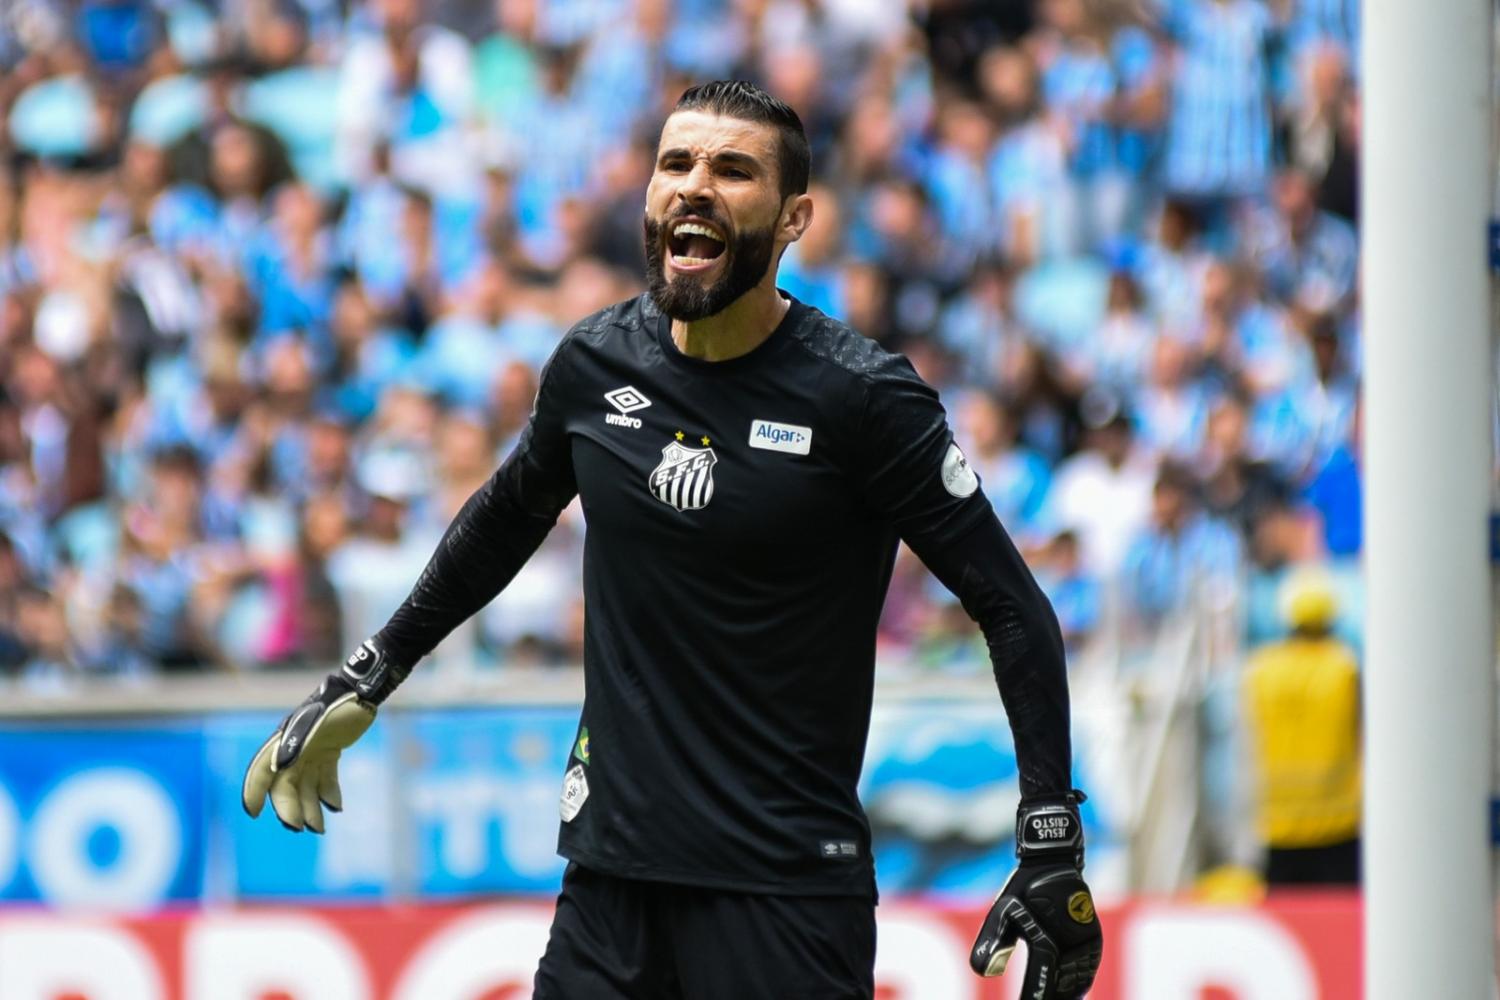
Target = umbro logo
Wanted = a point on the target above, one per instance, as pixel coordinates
(627, 399)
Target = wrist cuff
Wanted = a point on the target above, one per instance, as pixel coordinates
(372, 672)
(1050, 828)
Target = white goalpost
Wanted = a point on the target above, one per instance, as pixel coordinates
(1429, 671)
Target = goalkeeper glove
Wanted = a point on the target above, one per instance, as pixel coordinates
(298, 765)
(1045, 901)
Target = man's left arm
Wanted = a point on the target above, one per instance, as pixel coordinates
(1045, 900)
(914, 473)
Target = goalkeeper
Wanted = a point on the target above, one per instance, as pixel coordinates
(746, 467)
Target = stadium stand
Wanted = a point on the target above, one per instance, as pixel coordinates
(277, 278)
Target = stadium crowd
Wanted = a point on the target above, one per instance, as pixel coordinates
(277, 278)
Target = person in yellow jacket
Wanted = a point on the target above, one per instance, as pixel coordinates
(1302, 715)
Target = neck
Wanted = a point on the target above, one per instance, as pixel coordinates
(738, 330)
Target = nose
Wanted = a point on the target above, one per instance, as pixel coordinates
(696, 188)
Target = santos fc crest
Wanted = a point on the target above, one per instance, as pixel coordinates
(685, 477)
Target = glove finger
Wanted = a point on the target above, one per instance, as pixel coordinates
(328, 784)
(258, 777)
(286, 800)
(996, 940)
(312, 809)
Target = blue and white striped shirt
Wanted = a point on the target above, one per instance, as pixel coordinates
(1219, 135)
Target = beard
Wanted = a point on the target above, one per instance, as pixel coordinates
(687, 299)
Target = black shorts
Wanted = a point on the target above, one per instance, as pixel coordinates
(618, 938)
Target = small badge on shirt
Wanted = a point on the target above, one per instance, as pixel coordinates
(575, 792)
(958, 476)
(771, 436)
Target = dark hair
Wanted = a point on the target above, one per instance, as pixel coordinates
(747, 102)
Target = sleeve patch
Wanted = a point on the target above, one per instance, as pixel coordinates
(958, 476)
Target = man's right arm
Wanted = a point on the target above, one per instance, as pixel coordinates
(493, 535)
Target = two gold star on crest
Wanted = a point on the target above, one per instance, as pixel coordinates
(679, 435)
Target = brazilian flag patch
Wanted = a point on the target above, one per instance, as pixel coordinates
(581, 748)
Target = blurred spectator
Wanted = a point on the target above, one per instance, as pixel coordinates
(616, 227)
(562, 141)
(1219, 135)
(1076, 595)
(1172, 405)
(1315, 122)
(1302, 718)
(41, 626)
(1335, 490)
(1014, 478)
(920, 266)
(1308, 255)
(981, 328)
(121, 650)
(1330, 395)
(465, 461)
(292, 268)
(374, 568)
(1028, 165)
(505, 63)
(1183, 558)
(809, 268)
(368, 356)
(1244, 340)
(511, 397)
(959, 31)
(1115, 358)
(1338, 191)
(1237, 488)
(1103, 493)
(956, 177)
(1079, 85)
(117, 35)
(12, 577)
(408, 83)
(164, 558)
(1170, 266)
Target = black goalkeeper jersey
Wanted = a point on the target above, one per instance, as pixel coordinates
(742, 521)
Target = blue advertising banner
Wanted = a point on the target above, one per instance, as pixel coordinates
(447, 803)
(481, 788)
(941, 786)
(104, 816)
(437, 803)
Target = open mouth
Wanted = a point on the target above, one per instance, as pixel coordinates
(694, 245)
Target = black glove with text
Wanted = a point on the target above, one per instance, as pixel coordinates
(1046, 902)
(298, 765)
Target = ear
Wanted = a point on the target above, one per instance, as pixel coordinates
(796, 216)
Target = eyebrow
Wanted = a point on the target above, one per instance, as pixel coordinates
(726, 157)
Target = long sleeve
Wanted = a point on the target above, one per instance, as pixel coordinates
(983, 569)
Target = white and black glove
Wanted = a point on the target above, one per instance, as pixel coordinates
(298, 765)
(1046, 902)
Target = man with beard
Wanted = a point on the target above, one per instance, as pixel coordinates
(746, 466)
